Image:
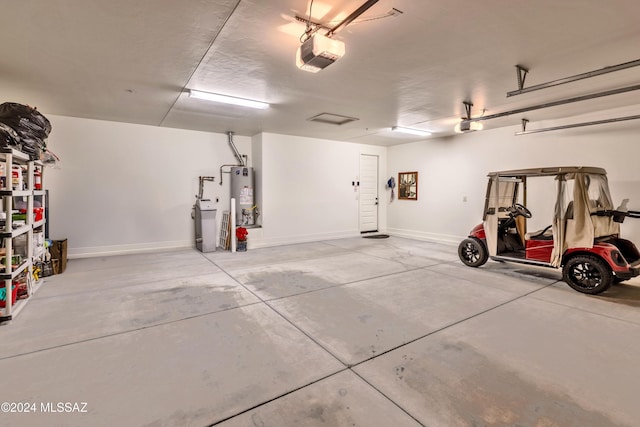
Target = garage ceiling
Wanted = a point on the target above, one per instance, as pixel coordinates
(133, 61)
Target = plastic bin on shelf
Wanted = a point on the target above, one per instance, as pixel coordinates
(3, 295)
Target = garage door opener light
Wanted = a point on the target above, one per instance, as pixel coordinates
(318, 51)
(467, 124)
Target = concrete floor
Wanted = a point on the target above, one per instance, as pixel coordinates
(352, 332)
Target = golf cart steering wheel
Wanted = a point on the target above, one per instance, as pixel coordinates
(520, 210)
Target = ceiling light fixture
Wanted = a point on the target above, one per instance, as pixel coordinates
(411, 131)
(225, 99)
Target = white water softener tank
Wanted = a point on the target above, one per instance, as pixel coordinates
(205, 226)
(242, 186)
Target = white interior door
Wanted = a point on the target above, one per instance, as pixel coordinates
(368, 193)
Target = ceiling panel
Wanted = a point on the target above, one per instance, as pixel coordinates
(114, 60)
(133, 61)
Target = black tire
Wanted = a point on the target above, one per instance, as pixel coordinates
(472, 252)
(587, 274)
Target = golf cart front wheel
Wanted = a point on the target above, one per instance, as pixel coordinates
(587, 274)
(472, 252)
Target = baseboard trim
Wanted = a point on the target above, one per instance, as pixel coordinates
(307, 238)
(98, 251)
(424, 236)
(261, 242)
(253, 243)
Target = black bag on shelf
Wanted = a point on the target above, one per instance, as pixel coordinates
(8, 136)
(31, 127)
(31, 146)
(25, 120)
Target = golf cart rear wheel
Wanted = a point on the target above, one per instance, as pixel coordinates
(587, 274)
(472, 252)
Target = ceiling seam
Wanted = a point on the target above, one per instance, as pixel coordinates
(215, 37)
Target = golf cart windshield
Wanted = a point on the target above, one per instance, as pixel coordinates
(581, 193)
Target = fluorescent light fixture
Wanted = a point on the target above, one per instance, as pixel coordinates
(225, 99)
(411, 131)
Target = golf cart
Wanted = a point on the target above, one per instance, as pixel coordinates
(582, 239)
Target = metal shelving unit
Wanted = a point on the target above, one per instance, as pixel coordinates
(12, 157)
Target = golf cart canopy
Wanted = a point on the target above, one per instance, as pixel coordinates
(581, 193)
(549, 171)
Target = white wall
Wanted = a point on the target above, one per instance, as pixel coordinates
(454, 168)
(124, 187)
(306, 189)
(130, 188)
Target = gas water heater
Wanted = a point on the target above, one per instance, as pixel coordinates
(242, 189)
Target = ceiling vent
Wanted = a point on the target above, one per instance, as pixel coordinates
(332, 119)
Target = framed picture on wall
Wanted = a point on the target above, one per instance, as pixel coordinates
(408, 185)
